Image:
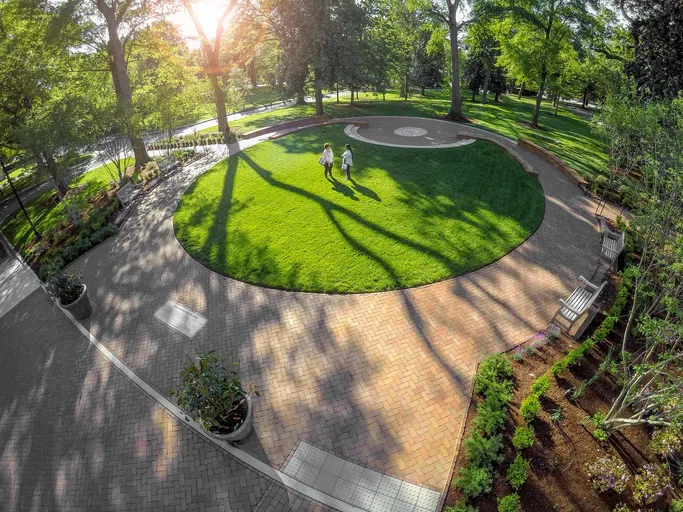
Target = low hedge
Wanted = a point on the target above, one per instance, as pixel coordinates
(193, 140)
(484, 447)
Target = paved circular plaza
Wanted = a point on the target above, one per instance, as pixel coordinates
(382, 379)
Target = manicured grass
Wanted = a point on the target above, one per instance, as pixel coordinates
(566, 134)
(409, 217)
(46, 215)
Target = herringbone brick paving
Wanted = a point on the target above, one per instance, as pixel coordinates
(380, 378)
(77, 435)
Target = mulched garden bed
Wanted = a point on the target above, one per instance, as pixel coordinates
(557, 477)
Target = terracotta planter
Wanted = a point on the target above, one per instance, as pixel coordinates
(81, 307)
(244, 430)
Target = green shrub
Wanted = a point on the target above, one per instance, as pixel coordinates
(491, 414)
(518, 356)
(482, 451)
(64, 287)
(530, 408)
(460, 507)
(518, 472)
(676, 506)
(492, 370)
(558, 367)
(474, 481)
(510, 503)
(523, 438)
(540, 386)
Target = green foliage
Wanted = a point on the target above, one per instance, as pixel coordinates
(676, 506)
(556, 415)
(575, 355)
(509, 503)
(667, 442)
(491, 414)
(518, 472)
(523, 438)
(192, 141)
(492, 370)
(484, 452)
(208, 391)
(518, 356)
(64, 287)
(540, 385)
(460, 507)
(650, 484)
(474, 481)
(530, 408)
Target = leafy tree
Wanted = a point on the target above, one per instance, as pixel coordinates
(446, 12)
(428, 60)
(646, 139)
(211, 49)
(474, 73)
(536, 32)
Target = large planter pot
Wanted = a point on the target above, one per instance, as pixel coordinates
(244, 430)
(81, 307)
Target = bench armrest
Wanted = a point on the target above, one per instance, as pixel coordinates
(564, 303)
(589, 284)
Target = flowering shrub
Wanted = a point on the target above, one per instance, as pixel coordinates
(552, 332)
(650, 484)
(608, 473)
(666, 442)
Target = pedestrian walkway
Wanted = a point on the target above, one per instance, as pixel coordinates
(380, 379)
(16, 281)
(77, 435)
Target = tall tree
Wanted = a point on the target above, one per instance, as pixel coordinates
(211, 49)
(538, 30)
(129, 15)
(447, 12)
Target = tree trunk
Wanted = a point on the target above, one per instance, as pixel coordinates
(423, 90)
(252, 73)
(473, 94)
(384, 95)
(539, 96)
(456, 98)
(48, 163)
(300, 97)
(352, 97)
(219, 99)
(585, 98)
(406, 98)
(120, 77)
(557, 103)
(337, 92)
(521, 91)
(487, 79)
(496, 98)
(318, 93)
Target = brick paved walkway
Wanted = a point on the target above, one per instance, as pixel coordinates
(382, 378)
(75, 434)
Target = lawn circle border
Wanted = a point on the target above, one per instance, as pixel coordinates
(352, 122)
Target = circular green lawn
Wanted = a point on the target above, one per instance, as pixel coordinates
(408, 217)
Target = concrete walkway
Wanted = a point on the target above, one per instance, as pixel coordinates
(382, 379)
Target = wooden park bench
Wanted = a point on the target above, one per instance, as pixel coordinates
(166, 164)
(580, 300)
(612, 245)
(128, 193)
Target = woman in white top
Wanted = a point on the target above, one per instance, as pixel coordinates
(347, 161)
(327, 159)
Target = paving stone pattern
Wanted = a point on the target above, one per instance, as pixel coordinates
(356, 485)
(382, 379)
(77, 435)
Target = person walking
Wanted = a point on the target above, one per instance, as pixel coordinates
(327, 159)
(347, 161)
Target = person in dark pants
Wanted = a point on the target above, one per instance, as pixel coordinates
(347, 161)
(327, 159)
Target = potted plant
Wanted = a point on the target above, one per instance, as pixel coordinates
(70, 293)
(214, 397)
